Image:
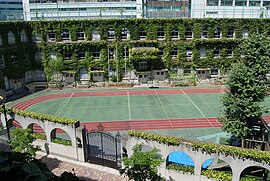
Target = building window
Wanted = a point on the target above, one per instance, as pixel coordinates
(188, 33)
(241, 3)
(216, 52)
(266, 3)
(67, 55)
(202, 52)
(226, 2)
(81, 55)
(143, 64)
(217, 33)
(111, 34)
(36, 38)
(1, 41)
(189, 53)
(24, 38)
(2, 61)
(212, 2)
(255, 3)
(51, 36)
(96, 54)
(65, 34)
(174, 53)
(230, 52)
(160, 34)
(174, 34)
(231, 33)
(204, 33)
(26, 57)
(111, 53)
(11, 38)
(160, 53)
(38, 56)
(125, 52)
(142, 34)
(245, 33)
(80, 34)
(95, 35)
(124, 34)
(214, 71)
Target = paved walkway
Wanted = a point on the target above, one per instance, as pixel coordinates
(84, 171)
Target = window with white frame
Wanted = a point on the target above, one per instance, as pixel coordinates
(27, 57)
(160, 34)
(1, 41)
(188, 33)
(80, 34)
(38, 56)
(81, 55)
(36, 38)
(111, 34)
(212, 2)
(124, 33)
(142, 34)
(111, 53)
(53, 55)
(125, 52)
(245, 33)
(24, 38)
(143, 64)
(217, 33)
(11, 38)
(204, 33)
(96, 54)
(231, 33)
(51, 37)
(230, 52)
(214, 71)
(67, 55)
(95, 36)
(174, 34)
(174, 52)
(161, 53)
(2, 61)
(189, 53)
(216, 52)
(65, 34)
(226, 2)
(202, 52)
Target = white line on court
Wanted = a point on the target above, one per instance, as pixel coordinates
(129, 113)
(196, 107)
(163, 108)
(65, 104)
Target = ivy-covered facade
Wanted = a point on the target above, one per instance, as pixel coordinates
(87, 49)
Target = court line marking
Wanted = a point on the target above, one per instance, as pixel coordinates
(197, 107)
(129, 112)
(62, 108)
(164, 109)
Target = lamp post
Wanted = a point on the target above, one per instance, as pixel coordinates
(5, 115)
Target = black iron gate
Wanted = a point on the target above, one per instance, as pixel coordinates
(104, 149)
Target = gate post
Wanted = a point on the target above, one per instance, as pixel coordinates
(85, 143)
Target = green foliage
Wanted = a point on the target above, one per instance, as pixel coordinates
(141, 165)
(219, 175)
(39, 136)
(21, 141)
(17, 166)
(62, 141)
(247, 87)
(181, 168)
(256, 155)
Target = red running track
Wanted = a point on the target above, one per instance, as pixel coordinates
(136, 124)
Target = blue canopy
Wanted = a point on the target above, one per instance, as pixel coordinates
(183, 159)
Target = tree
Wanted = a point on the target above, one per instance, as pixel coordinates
(21, 141)
(141, 165)
(247, 87)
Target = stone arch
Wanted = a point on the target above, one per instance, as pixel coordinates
(24, 37)
(16, 123)
(11, 38)
(259, 172)
(180, 159)
(38, 129)
(58, 134)
(216, 164)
